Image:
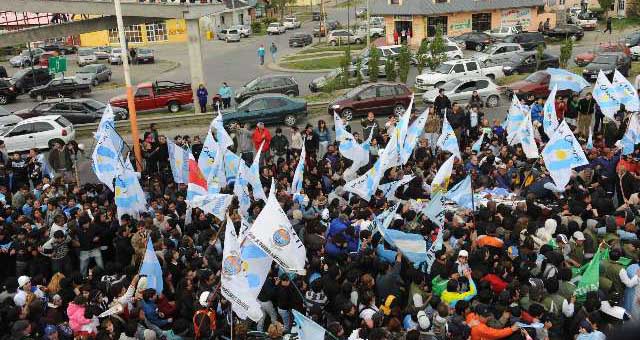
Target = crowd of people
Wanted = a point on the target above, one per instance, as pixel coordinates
(70, 266)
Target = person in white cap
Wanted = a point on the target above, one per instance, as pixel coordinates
(204, 320)
(24, 287)
(576, 255)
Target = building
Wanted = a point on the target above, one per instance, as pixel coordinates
(421, 18)
(171, 30)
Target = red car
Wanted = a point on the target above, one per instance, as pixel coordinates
(44, 58)
(379, 98)
(583, 59)
(156, 95)
(536, 83)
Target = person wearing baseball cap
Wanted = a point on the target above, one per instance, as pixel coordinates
(25, 287)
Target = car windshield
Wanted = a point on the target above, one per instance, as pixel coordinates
(443, 68)
(116, 51)
(89, 69)
(491, 49)
(509, 38)
(537, 77)
(605, 59)
(233, 32)
(94, 104)
(353, 92)
(24, 53)
(146, 50)
(450, 85)
(4, 112)
(585, 16)
(85, 51)
(252, 83)
(274, 25)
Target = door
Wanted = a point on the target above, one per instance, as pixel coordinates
(484, 91)
(387, 98)
(458, 69)
(274, 112)
(366, 101)
(78, 114)
(279, 85)
(19, 138)
(463, 92)
(472, 68)
(42, 133)
(68, 87)
(255, 110)
(144, 98)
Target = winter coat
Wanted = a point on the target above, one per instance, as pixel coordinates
(76, 317)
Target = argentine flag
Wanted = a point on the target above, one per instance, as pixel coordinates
(606, 97)
(447, 140)
(561, 154)
(462, 193)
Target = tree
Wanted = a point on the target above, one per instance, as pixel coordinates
(404, 60)
(437, 49)
(421, 56)
(539, 55)
(390, 69)
(346, 61)
(565, 53)
(374, 63)
(358, 73)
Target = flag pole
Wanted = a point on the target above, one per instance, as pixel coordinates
(133, 118)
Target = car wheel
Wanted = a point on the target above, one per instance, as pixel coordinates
(347, 114)
(358, 41)
(54, 141)
(290, 120)
(479, 47)
(291, 94)
(493, 101)
(399, 109)
(74, 95)
(457, 57)
(174, 107)
(95, 82)
(3, 99)
(333, 43)
(438, 84)
(573, 38)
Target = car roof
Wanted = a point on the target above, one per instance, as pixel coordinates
(47, 118)
(266, 76)
(506, 44)
(469, 78)
(65, 100)
(269, 95)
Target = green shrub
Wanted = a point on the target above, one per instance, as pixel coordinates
(256, 27)
(390, 69)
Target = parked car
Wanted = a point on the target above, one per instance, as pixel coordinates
(3, 72)
(632, 39)
(102, 52)
(38, 133)
(156, 95)
(385, 51)
(283, 84)
(144, 55)
(528, 40)
(374, 32)
(60, 87)
(573, 32)
(26, 79)
(26, 58)
(93, 74)
(62, 49)
(44, 58)
(316, 16)
(343, 37)
(525, 62)
(267, 108)
(379, 98)
(77, 111)
(453, 69)
(498, 53)
(452, 51)
(276, 28)
(7, 119)
(300, 40)
(364, 70)
(229, 35)
(607, 63)
(321, 30)
(474, 40)
(361, 12)
(635, 53)
(536, 84)
(585, 19)
(460, 90)
(583, 59)
(8, 92)
(244, 30)
(319, 83)
(86, 56)
(115, 57)
(291, 23)
(502, 32)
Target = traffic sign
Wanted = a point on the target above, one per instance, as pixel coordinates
(57, 64)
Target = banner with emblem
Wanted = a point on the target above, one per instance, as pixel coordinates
(273, 232)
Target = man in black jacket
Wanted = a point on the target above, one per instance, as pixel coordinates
(586, 109)
(441, 104)
(88, 239)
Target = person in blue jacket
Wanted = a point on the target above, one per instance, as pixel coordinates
(202, 97)
(150, 309)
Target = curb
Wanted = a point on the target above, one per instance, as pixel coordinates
(276, 67)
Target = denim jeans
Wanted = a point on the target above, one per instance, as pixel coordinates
(267, 309)
(286, 319)
(86, 255)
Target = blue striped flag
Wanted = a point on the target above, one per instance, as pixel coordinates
(151, 269)
(631, 137)
(307, 328)
(412, 246)
(561, 154)
(605, 95)
(296, 183)
(413, 133)
(550, 117)
(565, 80)
(106, 161)
(447, 140)
(625, 92)
(462, 193)
(179, 161)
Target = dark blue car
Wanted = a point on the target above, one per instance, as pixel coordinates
(267, 108)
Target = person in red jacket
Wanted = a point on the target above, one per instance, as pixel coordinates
(561, 108)
(261, 134)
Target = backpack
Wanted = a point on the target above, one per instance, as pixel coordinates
(200, 320)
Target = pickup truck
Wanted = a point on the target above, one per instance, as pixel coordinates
(158, 94)
(453, 69)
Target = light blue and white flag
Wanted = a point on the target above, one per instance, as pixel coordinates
(435, 247)
(107, 127)
(478, 144)
(151, 268)
(222, 137)
(257, 265)
(631, 137)
(550, 117)
(625, 92)
(106, 161)
(296, 183)
(435, 209)
(413, 133)
(462, 193)
(605, 95)
(241, 189)
(365, 186)
(215, 204)
(566, 80)
(253, 177)
(348, 146)
(440, 181)
(561, 154)
(129, 196)
(528, 139)
(179, 161)
(590, 140)
(447, 140)
(384, 219)
(231, 163)
(515, 117)
(212, 164)
(412, 246)
(389, 189)
(307, 328)
(44, 165)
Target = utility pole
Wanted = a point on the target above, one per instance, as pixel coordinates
(133, 117)
(368, 26)
(233, 13)
(349, 26)
(323, 21)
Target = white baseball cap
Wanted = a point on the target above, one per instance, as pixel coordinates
(463, 253)
(23, 280)
(578, 235)
(203, 299)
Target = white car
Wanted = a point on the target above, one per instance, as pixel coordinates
(460, 90)
(86, 56)
(635, 53)
(38, 132)
(452, 51)
(276, 28)
(291, 23)
(455, 69)
(245, 30)
(374, 32)
(502, 31)
(115, 57)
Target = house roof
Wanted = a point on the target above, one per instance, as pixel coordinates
(428, 7)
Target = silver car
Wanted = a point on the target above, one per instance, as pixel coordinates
(244, 30)
(498, 53)
(93, 74)
(229, 35)
(86, 56)
(24, 59)
(460, 90)
(115, 57)
(341, 37)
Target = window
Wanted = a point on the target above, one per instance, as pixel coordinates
(41, 127)
(395, 2)
(21, 130)
(481, 22)
(257, 105)
(472, 66)
(133, 34)
(466, 87)
(441, 1)
(368, 93)
(42, 107)
(143, 92)
(458, 68)
(157, 31)
(386, 91)
(275, 102)
(400, 90)
(61, 107)
(279, 82)
(433, 23)
(481, 84)
(621, 4)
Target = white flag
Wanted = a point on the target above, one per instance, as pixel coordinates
(441, 180)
